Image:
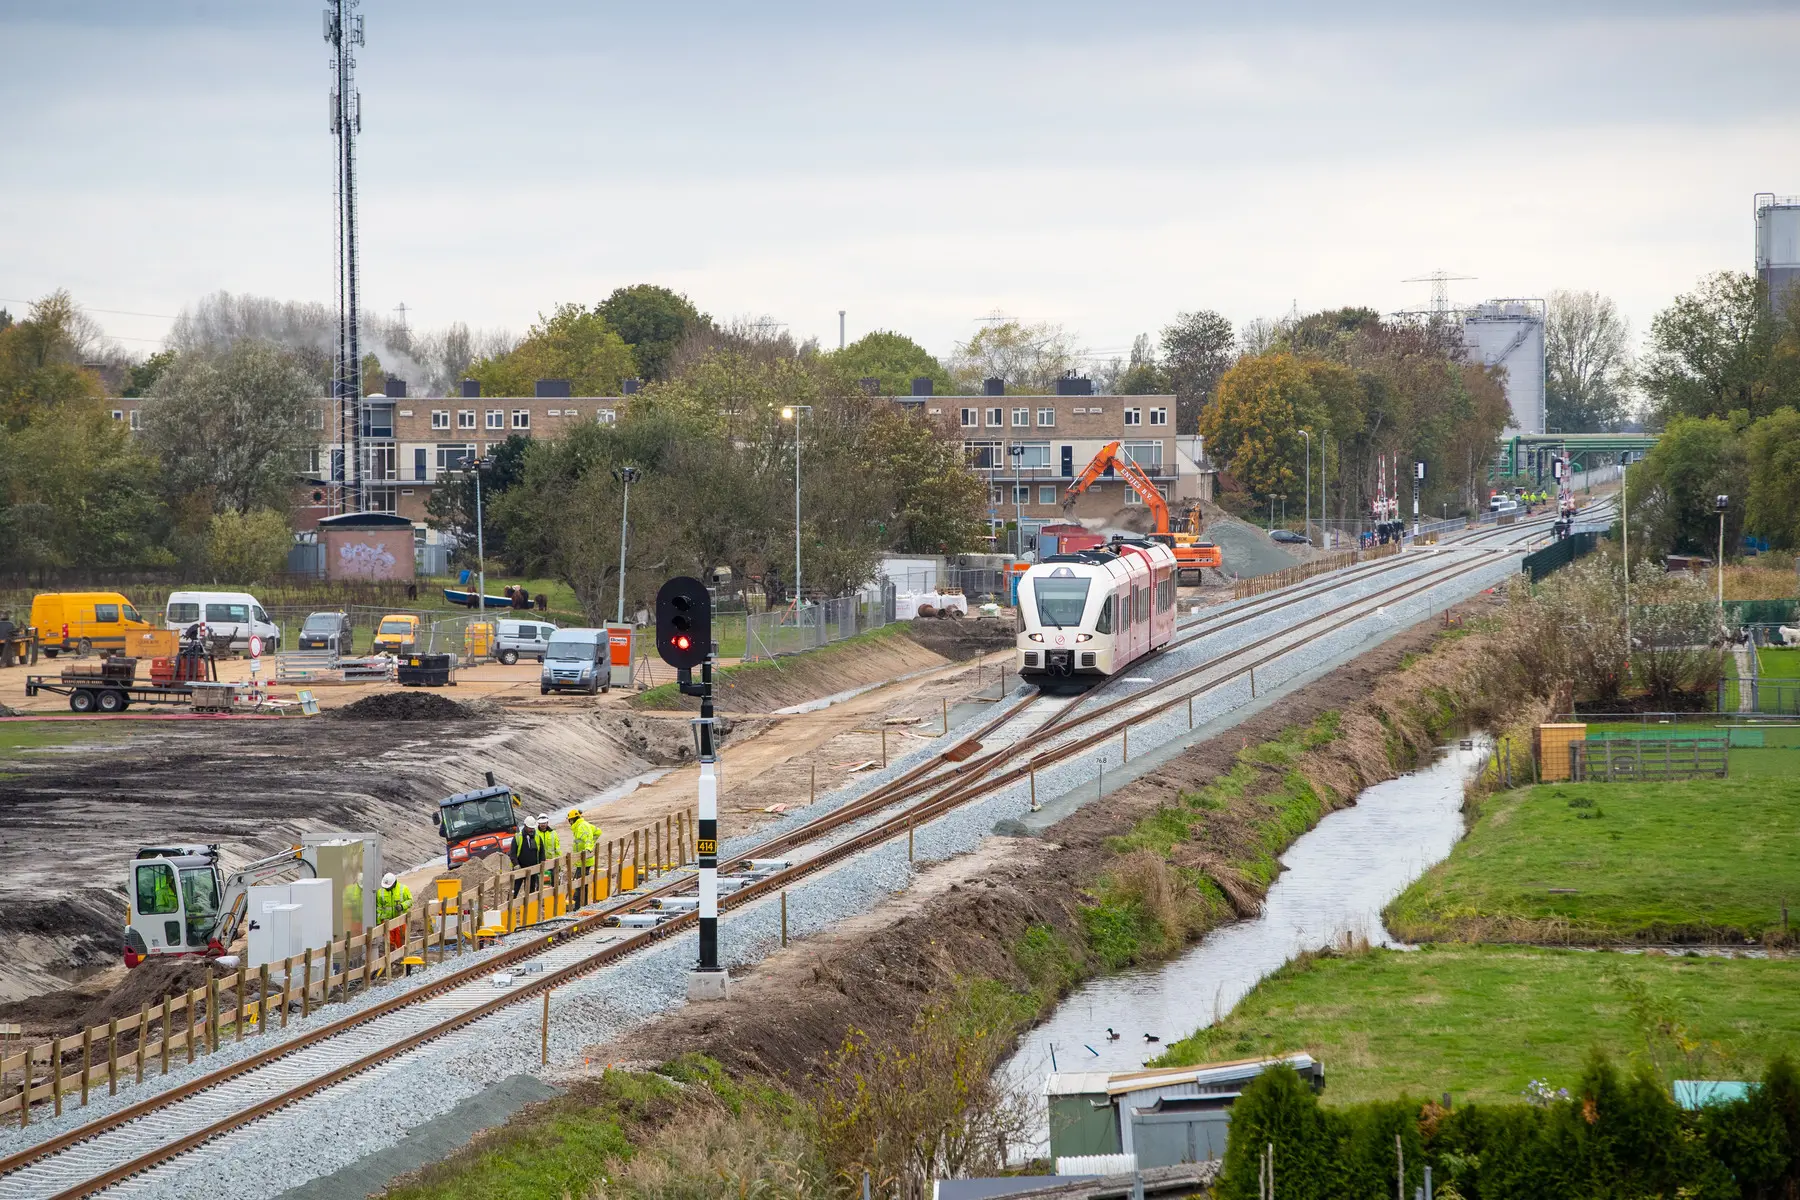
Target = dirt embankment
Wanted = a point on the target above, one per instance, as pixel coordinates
(889, 653)
(966, 918)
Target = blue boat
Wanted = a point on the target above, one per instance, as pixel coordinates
(467, 599)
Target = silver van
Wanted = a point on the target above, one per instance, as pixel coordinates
(514, 640)
(577, 660)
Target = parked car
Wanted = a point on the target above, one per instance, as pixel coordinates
(232, 617)
(81, 622)
(326, 631)
(577, 660)
(398, 634)
(1290, 537)
(522, 639)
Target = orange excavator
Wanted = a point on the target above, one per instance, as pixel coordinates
(1192, 552)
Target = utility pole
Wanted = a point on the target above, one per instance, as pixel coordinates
(792, 413)
(344, 32)
(1308, 436)
(480, 546)
(840, 329)
(626, 476)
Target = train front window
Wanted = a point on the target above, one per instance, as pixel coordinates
(1061, 601)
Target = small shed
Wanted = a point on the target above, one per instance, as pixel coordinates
(1163, 1115)
(368, 545)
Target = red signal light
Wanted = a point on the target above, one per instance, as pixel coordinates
(683, 641)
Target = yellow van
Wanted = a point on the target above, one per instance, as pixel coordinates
(81, 622)
(397, 634)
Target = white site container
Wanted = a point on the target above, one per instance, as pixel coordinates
(313, 924)
(274, 936)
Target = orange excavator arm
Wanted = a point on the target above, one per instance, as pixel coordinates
(1109, 456)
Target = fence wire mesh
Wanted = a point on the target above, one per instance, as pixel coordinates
(771, 634)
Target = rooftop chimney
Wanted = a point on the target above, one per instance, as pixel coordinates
(553, 388)
(471, 388)
(921, 385)
(630, 387)
(1074, 385)
(993, 385)
(396, 388)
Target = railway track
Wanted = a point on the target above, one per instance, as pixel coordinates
(100, 1154)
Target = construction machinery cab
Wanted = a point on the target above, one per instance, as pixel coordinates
(478, 823)
(180, 901)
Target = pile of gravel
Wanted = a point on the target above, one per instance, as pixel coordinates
(404, 706)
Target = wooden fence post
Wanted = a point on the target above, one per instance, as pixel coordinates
(87, 1061)
(193, 1012)
(243, 978)
(167, 1016)
(112, 1057)
(306, 981)
(287, 987)
(55, 1074)
(262, 999)
(143, 1042)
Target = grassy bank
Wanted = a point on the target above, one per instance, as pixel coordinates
(1709, 860)
(1482, 1022)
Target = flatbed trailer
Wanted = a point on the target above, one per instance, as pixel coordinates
(97, 694)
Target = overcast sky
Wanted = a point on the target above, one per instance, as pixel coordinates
(1103, 166)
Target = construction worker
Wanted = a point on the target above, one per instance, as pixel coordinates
(527, 854)
(393, 900)
(551, 846)
(585, 838)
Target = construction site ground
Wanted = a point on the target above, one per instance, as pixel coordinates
(81, 801)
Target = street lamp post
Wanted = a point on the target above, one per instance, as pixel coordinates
(626, 476)
(475, 465)
(1018, 456)
(1307, 434)
(792, 413)
(1721, 503)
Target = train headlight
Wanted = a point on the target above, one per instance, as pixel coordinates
(1084, 637)
(1036, 637)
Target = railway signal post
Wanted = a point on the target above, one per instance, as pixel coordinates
(684, 641)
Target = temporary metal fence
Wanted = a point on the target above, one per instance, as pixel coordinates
(1256, 585)
(1557, 554)
(973, 582)
(772, 634)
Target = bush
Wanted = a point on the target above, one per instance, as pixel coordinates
(247, 548)
(1615, 1137)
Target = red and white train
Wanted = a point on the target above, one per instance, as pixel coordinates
(1087, 616)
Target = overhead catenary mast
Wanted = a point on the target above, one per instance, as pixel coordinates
(344, 31)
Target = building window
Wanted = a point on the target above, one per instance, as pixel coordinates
(521, 418)
(1021, 418)
(1032, 456)
(136, 415)
(1159, 416)
(1022, 494)
(440, 418)
(1145, 454)
(998, 496)
(982, 456)
(380, 499)
(496, 418)
(316, 418)
(315, 460)
(1131, 496)
(969, 418)
(1133, 416)
(605, 416)
(465, 418)
(1046, 494)
(118, 414)
(996, 417)
(454, 457)
(1046, 418)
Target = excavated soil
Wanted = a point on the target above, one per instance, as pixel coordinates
(404, 706)
(963, 916)
(962, 639)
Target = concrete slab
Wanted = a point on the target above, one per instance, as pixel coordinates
(428, 1143)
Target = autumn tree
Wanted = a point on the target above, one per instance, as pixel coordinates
(229, 426)
(1197, 350)
(1253, 422)
(1772, 446)
(573, 343)
(1030, 358)
(893, 359)
(1671, 491)
(653, 321)
(1720, 349)
(1587, 363)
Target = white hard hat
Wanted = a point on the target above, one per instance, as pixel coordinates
(543, 818)
(388, 880)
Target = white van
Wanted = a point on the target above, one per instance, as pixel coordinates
(577, 659)
(514, 640)
(233, 614)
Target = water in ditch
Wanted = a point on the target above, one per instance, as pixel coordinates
(1338, 877)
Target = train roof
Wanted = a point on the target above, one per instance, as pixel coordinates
(1100, 555)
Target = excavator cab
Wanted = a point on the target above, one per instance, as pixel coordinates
(478, 823)
(175, 899)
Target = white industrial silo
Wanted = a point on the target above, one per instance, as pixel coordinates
(1510, 334)
(1778, 244)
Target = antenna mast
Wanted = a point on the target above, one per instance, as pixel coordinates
(344, 31)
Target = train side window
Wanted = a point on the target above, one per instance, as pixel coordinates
(1103, 623)
(1141, 600)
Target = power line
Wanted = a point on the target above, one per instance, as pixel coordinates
(111, 312)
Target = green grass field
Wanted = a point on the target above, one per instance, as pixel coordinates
(1778, 662)
(1481, 1022)
(24, 736)
(1617, 862)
